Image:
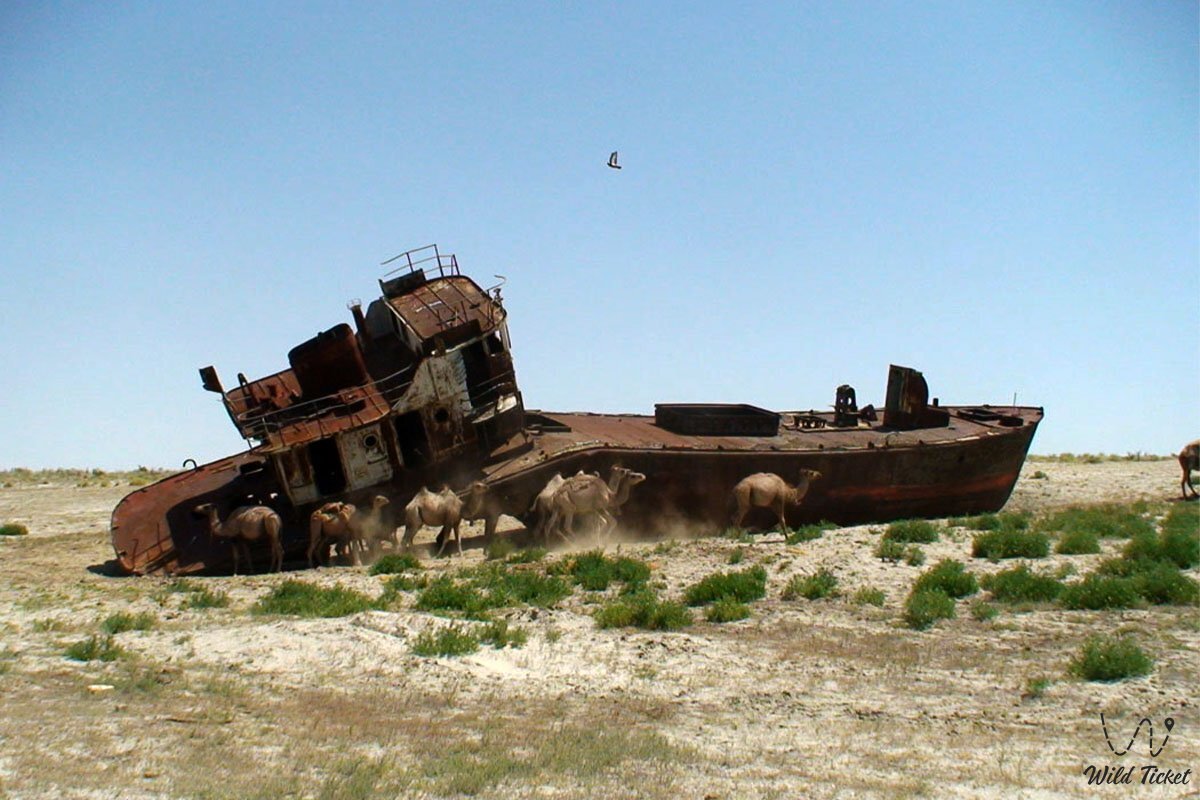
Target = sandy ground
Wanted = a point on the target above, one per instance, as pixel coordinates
(804, 699)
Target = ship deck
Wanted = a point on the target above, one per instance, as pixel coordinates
(575, 431)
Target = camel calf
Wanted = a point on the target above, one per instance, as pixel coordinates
(1189, 459)
(768, 490)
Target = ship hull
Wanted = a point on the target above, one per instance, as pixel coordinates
(869, 475)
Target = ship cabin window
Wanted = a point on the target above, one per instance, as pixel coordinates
(327, 466)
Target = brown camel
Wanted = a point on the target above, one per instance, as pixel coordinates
(541, 510)
(332, 523)
(768, 490)
(587, 494)
(1189, 459)
(428, 508)
(243, 525)
(480, 503)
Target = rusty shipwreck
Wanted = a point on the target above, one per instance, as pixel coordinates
(421, 391)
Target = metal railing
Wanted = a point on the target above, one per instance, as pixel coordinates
(422, 258)
(262, 425)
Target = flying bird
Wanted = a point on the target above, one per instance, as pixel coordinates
(612, 160)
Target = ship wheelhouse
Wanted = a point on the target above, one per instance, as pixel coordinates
(425, 376)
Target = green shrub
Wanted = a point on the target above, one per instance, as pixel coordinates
(644, 609)
(124, 621)
(914, 556)
(95, 648)
(300, 599)
(594, 571)
(202, 597)
(1096, 592)
(1077, 542)
(529, 555)
(982, 611)
(13, 529)
(443, 593)
(1163, 584)
(404, 583)
(911, 531)
(1143, 546)
(726, 610)
(889, 550)
(1180, 547)
(499, 635)
(1010, 521)
(491, 585)
(1020, 585)
(1181, 535)
(745, 586)
(868, 596)
(1107, 658)
(923, 609)
(1010, 543)
(395, 563)
(807, 533)
(1107, 521)
(948, 577)
(446, 642)
(811, 587)
(1036, 687)
(737, 555)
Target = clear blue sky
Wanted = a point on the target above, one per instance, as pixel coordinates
(1003, 195)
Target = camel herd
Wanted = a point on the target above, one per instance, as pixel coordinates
(352, 532)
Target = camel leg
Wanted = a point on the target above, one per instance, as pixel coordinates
(740, 514)
(780, 509)
(608, 523)
(567, 527)
(233, 545)
(444, 539)
(249, 558)
(277, 551)
(458, 537)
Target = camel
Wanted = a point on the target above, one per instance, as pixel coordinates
(1189, 459)
(541, 505)
(768, 490)
(332, 523)
(243, 525)
(540, 509)
(369, 528)
(428, 508)
(479, 503)
(587, 494)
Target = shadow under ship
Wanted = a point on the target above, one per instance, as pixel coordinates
(421, 391)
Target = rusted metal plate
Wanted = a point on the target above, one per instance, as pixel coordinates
(446, 303)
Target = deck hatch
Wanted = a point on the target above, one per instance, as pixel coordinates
(716, 419)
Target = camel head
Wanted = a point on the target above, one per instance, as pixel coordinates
(634, 478)
(379, 502)
(810, 475)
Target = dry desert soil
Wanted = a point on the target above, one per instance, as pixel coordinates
(804, 698)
